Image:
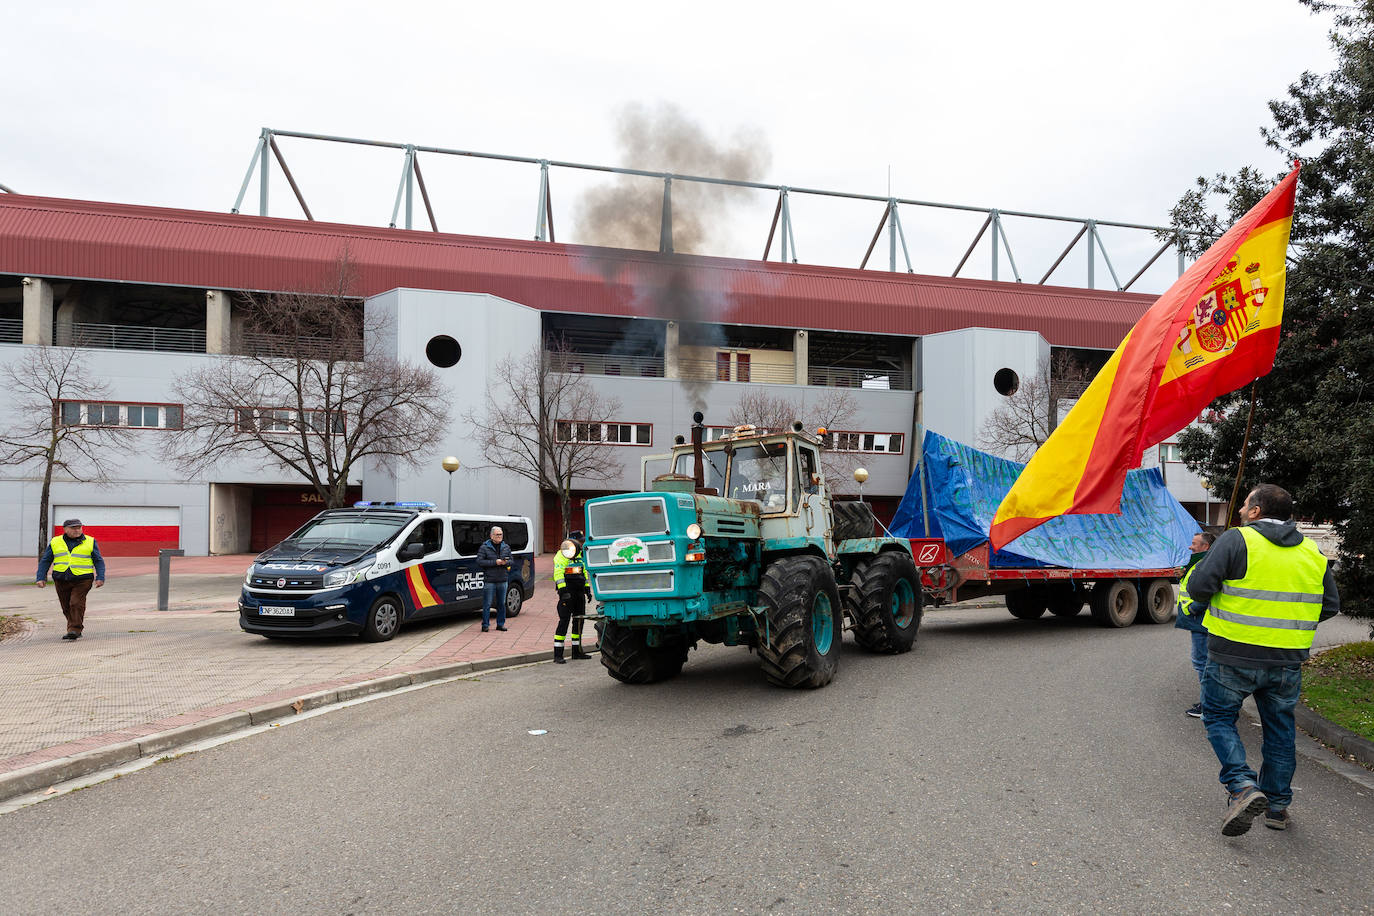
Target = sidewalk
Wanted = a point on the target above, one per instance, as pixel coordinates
(139, 672)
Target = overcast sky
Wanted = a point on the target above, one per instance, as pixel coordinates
(1088, 109)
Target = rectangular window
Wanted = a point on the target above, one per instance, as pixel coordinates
(281, 420)
(108, 413)
(1169, 451)
(722, 367)
(611, 433)
(866, 443)
(741, 367)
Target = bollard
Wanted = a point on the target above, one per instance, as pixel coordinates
(164, 573)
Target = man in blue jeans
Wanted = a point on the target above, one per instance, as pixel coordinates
(1265, 588)
(1187, 619)
(494, 558)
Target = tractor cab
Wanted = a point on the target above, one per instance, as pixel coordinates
(777, 471)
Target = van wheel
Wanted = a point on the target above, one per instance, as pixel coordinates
(383, 620)
(514, 599)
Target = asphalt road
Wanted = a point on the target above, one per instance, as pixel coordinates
(1003, 766)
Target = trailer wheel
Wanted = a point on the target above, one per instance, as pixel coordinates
(627, 656)
(801, 647)
(1067, 601)
(886, 603)
(1026, 603)
(1114, 602)
(1159, 602)
(853, 520)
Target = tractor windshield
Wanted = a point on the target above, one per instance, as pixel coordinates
(759, 473)
(713, 467)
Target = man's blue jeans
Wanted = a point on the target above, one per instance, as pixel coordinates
(1276, 691)
(1199, 652)
(494, 593)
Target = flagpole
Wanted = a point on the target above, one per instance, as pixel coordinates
(1235, 490)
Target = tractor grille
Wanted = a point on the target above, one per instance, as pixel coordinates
(656, 552)
(647, 581)
(641, 516)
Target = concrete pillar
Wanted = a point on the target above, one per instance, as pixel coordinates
(218, 322)
(671, 368)
(37, 311)
(801, 354)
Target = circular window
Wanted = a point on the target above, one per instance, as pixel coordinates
(444, 351)
(1006, 382)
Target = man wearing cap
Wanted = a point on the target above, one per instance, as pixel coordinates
(76, 563)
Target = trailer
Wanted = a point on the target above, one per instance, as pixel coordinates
(1123, 567)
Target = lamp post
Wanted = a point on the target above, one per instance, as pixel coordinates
(861, 475)
(450, 464)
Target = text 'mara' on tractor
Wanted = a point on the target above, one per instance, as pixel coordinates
(741, 544)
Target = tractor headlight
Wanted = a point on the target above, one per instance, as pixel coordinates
(694, 531)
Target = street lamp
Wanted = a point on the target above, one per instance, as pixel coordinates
(450, 464)
(861, 475)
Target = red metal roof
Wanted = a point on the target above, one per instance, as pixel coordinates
(57, 238)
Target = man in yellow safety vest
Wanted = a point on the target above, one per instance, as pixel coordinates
(76, 564)
(1265, 588)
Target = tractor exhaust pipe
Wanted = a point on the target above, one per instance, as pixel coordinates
(698, 470)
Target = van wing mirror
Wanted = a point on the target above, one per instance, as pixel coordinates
(410, 552)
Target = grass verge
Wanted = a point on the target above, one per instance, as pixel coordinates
(1339, 685)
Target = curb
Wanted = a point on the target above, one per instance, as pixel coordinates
(50, 772)
(1342, 740)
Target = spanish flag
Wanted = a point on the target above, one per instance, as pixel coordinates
(1210, 333)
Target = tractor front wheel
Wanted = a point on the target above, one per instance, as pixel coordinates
(885, 602)
(628, 657)
(801, 647)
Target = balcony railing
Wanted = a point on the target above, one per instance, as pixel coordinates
(131, 337)
(11, 330)
(324, 348)
(606, 364)
(707, 370)
(847, 377)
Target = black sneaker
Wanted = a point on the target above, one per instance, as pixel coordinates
(1276, 818)
(1195, 711)
(1242, 809)
(560, 660)
(72, 636)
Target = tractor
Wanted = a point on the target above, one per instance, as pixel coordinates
(741, 544)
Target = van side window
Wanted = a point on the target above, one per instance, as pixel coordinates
(468, 536)
(429, 534)
(517, 534)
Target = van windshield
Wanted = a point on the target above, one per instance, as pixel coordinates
(347, 531)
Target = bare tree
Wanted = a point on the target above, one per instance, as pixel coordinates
(834, 410)
(546, 426)
(51, 392)
(313, 389)
(1026, 417)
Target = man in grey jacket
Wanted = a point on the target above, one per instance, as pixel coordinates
(494, 558)
(1264, 588)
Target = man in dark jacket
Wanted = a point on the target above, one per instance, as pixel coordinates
(494, 557)
(1185, 619)
(1265, 588)
(77, 565)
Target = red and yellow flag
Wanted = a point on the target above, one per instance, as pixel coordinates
(1211, 332)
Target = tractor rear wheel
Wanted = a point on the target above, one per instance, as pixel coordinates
(628, 657)
(885, 602)
(801, 647)
(1159, 602)
(853, 520)
(1026, 603)
(1114, 602)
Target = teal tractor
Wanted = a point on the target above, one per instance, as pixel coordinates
(741, 544)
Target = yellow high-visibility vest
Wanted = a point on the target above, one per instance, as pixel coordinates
(1278, 601)
(78, 561)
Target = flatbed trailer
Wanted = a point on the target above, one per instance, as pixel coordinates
(1116, 597)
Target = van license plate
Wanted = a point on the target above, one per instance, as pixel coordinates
(268, 611)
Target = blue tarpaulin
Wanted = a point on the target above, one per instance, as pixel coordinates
(964, 486)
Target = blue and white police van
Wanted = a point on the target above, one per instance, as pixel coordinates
(370, 568)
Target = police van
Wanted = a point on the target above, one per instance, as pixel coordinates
(370, 568)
